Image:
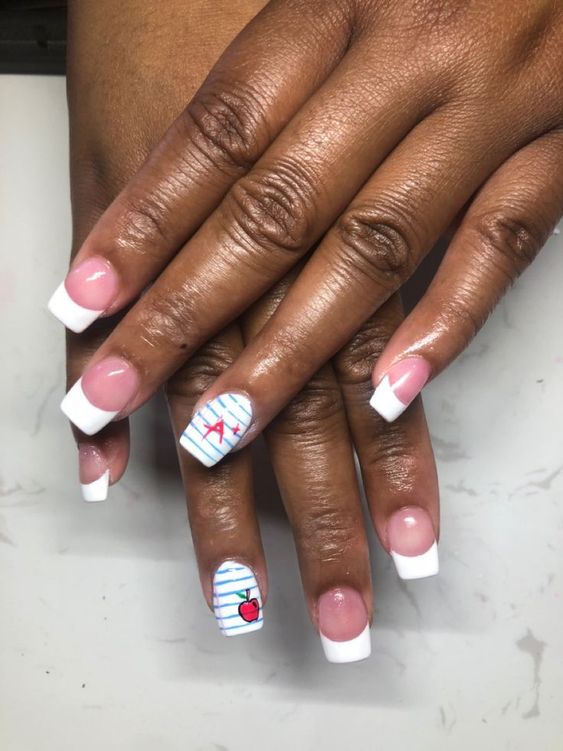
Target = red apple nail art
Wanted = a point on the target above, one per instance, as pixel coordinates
(249, 610)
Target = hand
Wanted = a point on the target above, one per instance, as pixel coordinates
(310, 443)
(376, 121)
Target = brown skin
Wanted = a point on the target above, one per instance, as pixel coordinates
(121, 98)
(374, 122)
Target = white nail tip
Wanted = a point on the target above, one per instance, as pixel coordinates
(73, 316)
(385, 403)
(417, 566)
(82, 413)
(97, 490)
(348, 651)
(237, 601)
(216, 429)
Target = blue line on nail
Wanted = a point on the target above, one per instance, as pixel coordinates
(203, 451)
(232, 581)
(239, 404)
(242, 625)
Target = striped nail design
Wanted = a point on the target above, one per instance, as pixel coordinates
(236, 599)
(217, 428)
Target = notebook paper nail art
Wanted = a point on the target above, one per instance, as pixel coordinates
(236, 599)
(217, 428)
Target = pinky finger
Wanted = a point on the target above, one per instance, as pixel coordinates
(505, 227)
(102, 459)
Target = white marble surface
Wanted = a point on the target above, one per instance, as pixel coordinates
(105, 641)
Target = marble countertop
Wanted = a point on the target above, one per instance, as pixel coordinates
(105, 640)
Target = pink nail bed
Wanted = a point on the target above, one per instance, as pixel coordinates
(102, 392)
(400, 386)
(412, 543)
(88, 291)
(344, 625)
(91, 463)
(94, 473)
(110, 384)
(92, 284)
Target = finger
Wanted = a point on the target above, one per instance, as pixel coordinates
(369, 253)
(396, 461)
(221, 504)
(267, 222)
(102, 459)
(503, 230)
(97, 128)
(311, 452)
(249, 96)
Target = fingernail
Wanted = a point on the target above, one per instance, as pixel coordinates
(237, 601)
(93, 473)
(344, 625)
(402, 384)
(412, 543)
(88, 290)
(217, 428)
(101, 393)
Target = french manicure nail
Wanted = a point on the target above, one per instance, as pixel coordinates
(101, 393)
(237, 601)
(93, 472)
(400, 386)
(217, 428)
(88, 290)
(412, 543)
(344, 625)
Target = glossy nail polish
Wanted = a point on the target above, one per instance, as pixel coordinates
(412, 543)
(400, 386)
(217, 428)
(94, 473)
(237, 601)
(88, 290)
(102, 392)
(344, 625)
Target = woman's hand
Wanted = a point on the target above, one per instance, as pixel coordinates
(310, 443)
(374, 122)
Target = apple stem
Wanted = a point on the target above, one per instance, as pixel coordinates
(247, 595)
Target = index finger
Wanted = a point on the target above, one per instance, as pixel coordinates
(251, 93)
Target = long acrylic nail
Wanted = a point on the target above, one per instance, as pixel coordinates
(400, 386)
(101, 393)
(412, 543)
(344, 625)
(93, 472)
(217, 428)
(237, 601)
(88, 290)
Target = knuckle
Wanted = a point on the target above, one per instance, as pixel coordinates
(224, 126)
(274, 209)
(305, 418)
(509, 237)
(201, 371)
(354, 364)
(329, 533)
(220, 515)
(143, 223)
(376, 244)
(393, 458)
